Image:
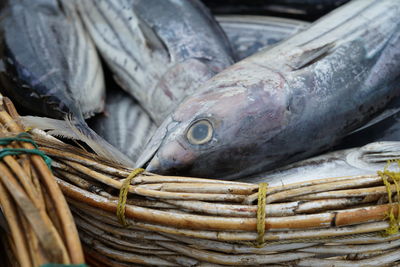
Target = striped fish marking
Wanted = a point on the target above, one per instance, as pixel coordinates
(125, 124)
(160, 51)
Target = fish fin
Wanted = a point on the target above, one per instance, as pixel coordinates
(54, 127)
(381, 152)
(77, 130)
(391, 109)
(374, 156)
(384, 115)
(153, 42)
(307, 56)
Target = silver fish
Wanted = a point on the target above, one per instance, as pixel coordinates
(289, 102)
(125, 124)
(48, 62)
(49, 65)
(365, 160)
(250, 34)
(385, 130)
(159, 50)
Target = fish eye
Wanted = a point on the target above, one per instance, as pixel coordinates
(200, 132)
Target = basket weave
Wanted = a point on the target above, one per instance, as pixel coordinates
(37, 222)
(200, 222)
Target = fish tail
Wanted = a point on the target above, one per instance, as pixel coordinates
(78, 130)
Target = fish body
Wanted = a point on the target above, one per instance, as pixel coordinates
(365, 160)
(160, 51)
(250, 34)
(48, 62)
(125, 124)
(49, 65)
(385, 130)
(288, 102)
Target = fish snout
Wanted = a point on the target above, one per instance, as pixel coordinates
(154, 165)
(172, 159)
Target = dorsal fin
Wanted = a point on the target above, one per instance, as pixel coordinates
(152, 40)
(391, 109)
(303, 57)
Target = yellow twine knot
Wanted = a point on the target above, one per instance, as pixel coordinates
(395, 178)
(261, 205)
(123, 194)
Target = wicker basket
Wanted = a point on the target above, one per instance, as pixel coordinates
(35, 216)
(180, 221)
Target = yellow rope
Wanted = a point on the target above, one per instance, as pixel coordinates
(262, 195)
(395, 178)
(123, 194)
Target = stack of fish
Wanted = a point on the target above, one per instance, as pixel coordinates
(227, 97)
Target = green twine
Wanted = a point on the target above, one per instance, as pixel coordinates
(19, 138)
(18, 151)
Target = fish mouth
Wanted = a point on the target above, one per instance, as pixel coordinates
(154, 164)
(172, 159)
(151, 149)
(154, 144)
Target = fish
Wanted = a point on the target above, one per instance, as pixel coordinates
(125, 124)
(50, 66)
(160, 51)
(48, 63)
(300, 9)
(386, 129)
(287, 103)
(358, 161)
(250, 34)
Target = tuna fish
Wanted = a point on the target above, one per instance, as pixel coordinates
(48, 62)
(387, 129)
(249, 34)
(365, 160)
(125, 124)
(159, 50)
(289, 102)
(49, 65)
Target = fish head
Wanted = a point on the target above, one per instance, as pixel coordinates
(181, 80)
(213, 133)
